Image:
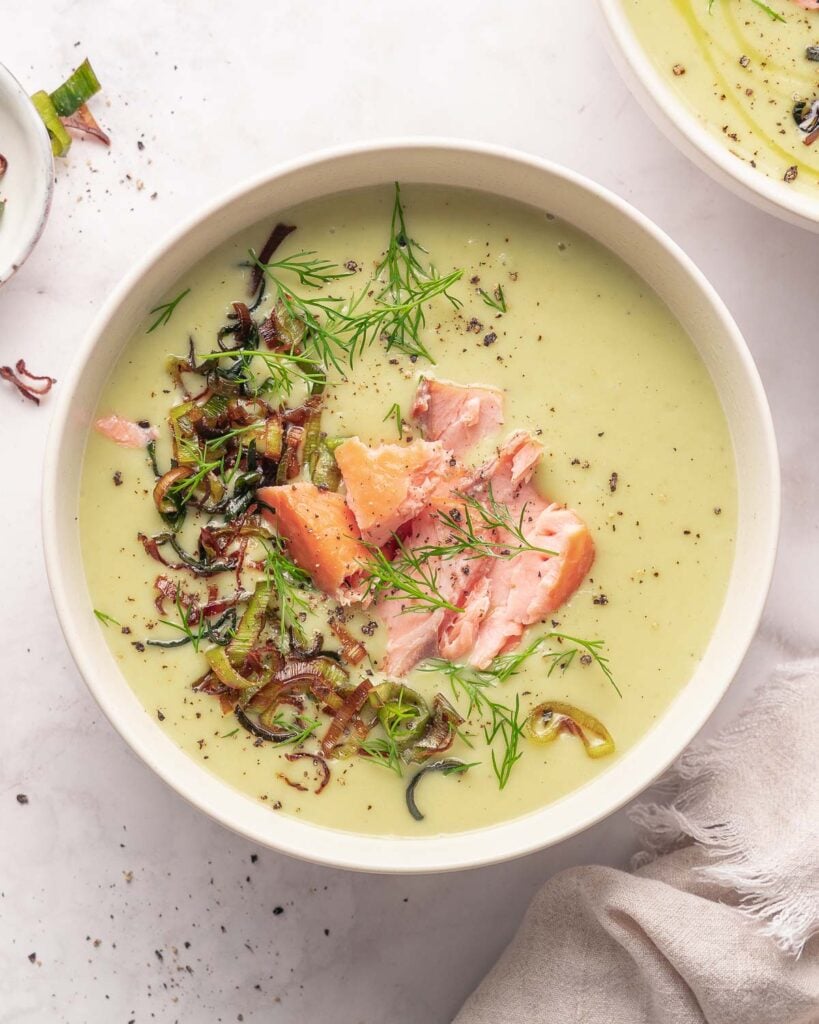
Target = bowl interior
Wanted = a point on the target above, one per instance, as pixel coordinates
(28, 182)
(664, 268)
(681, 126)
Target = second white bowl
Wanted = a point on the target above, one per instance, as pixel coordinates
(681, 126)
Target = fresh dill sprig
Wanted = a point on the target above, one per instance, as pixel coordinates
(497, 300)
(406, 276)
(399, 322)
(495, 515)
(772, 14)
(285, 369)
(460, 767)
(306, 728)
(383, 751)
(504, 666)
(217, 442)
(289, 583)
(227, 735)
(594, 648)
(464, 538)
(394, 412)
(311, 270)
(505, 724)
(201, 461)
(185, 488)
(322, 332)
(106, 620)
(403, 268)
(338, 330)
(407, 576)
(560, 659)
(185, 626)
(166, 311)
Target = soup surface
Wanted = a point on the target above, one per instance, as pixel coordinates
(750, 76)
(589, 362)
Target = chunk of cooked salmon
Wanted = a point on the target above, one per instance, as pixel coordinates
(411, 636)
(321, 533)
(388, 485)
(499, 596)
(532, 584)
(527, 588)
(456, 415)
(124, 432)
(421, 633)
(511, 469)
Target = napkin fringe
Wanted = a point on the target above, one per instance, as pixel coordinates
(680, 814)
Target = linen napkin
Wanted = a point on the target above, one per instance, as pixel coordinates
(719, 921)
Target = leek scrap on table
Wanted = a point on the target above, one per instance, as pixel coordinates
(60, 107)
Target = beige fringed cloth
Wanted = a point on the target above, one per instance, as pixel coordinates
(719, 921)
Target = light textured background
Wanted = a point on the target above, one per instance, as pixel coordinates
(218, 92)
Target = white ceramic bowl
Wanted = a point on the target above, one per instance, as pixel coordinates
(680, 124)
(28, 183)
(512, 175)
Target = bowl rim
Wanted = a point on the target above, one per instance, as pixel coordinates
(682, 127)
(361, 851)
(32, 124)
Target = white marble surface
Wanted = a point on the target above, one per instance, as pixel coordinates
(137, 907)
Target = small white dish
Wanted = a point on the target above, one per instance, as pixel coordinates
(28, 183)
(543, 185)
(681, 126)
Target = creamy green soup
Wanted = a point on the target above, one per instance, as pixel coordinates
(744, 72)
(590, 361)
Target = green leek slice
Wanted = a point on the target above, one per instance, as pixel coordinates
(220, 664)
(250, 626)
(548, 720)
(77, 89)
(60, 139)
